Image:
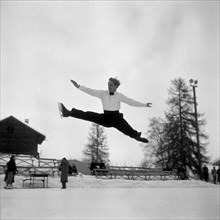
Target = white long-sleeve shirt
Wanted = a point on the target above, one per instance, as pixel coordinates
(111, 102)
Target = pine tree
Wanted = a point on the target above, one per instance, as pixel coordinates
(180, 128)
(97, 149)
(155, 152)
(173, 139)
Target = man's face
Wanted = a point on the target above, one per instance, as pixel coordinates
(111, 86)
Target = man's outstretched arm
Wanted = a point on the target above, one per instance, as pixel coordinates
(133, 102)
(92, 92)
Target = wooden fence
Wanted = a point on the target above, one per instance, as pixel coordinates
(28, 164)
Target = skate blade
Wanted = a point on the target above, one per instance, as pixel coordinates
(60, 110)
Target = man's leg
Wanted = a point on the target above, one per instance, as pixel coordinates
(122, 125)
(63, 185)
(88, 116)
(214, 178)
(9, 179)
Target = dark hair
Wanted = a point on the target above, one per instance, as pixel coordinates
(115, 81)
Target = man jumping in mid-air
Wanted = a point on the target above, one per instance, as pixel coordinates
(111, 101)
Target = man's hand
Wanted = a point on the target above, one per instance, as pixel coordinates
(149, 104)
(74, 83)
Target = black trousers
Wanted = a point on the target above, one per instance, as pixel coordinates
(64, 185)
(107, 119)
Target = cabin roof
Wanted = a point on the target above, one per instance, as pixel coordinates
(12, 118)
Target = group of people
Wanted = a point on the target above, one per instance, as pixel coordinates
(65, 167)
(182, 172)
(215, 174)
(95, 165)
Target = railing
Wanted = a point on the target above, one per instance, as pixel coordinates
(26, 164)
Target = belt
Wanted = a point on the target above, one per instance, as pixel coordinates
(111, 112)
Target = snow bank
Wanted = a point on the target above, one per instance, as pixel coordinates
(85, 181)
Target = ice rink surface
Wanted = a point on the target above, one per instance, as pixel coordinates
(91, 198)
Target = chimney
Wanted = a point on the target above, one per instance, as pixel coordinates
(26, 120)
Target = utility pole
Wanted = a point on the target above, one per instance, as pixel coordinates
(194, 83)
(183, 159)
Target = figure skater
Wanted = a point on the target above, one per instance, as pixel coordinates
(111, 102)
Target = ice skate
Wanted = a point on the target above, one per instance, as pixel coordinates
(63, 111)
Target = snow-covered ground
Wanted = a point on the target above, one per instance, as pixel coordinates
(87, 197)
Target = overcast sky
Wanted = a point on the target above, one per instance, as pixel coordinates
(146, 44)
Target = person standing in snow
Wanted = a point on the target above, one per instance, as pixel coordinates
(218, 174)
(206, 173)
(10, 173)
(64, 168)
(111, 102)
(214, 175)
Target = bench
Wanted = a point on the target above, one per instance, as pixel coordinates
(36, 177)
(30, 181)
(135, 172)
(101, 172)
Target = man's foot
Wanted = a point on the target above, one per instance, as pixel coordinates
(63, 111)
(141, 139)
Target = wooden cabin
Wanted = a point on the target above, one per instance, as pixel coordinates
(17, 137)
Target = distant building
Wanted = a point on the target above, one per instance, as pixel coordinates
(216, 162)
(18, 137)
(82, 167)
